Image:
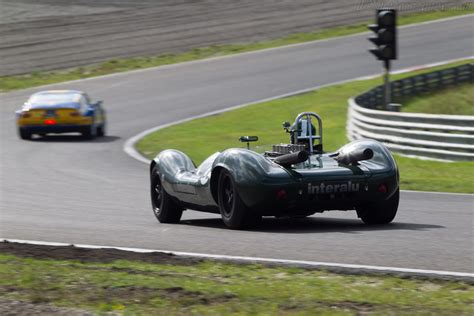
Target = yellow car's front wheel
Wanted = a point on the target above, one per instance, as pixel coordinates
(101, 130)
(94, 130)
(24, 133)
(90, 132)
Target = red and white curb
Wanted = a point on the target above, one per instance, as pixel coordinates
(330, 266)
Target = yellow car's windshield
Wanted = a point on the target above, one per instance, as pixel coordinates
(53, 98)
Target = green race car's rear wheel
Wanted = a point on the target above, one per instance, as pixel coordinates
(164, 208)
(24, 134)
(380, 213)
(234, 213)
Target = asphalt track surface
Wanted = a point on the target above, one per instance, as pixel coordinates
(65, 189)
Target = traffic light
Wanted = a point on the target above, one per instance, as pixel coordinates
(385, 35)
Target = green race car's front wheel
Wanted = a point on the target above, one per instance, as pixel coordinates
(234, 213)
(164, 208)
(380, 213)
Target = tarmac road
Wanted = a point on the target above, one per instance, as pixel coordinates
(65, 189)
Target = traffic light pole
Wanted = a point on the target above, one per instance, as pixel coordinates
(385, 40)
(386, 79)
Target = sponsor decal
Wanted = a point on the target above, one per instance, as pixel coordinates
(323, 188)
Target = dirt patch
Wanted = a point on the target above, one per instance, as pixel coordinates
(40, 301)
(56, 34)
(357, 306)
(180, 294)
(360, 308)
(90, 255)
(10, 307)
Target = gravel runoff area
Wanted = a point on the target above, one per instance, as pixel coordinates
(38, 35)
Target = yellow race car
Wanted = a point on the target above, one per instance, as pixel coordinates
(61, 111)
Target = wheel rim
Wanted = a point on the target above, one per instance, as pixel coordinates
(228, 195)
(157, 196)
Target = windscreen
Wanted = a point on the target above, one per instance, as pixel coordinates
(53, 98)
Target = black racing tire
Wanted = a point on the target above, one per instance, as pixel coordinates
(302, 216)
(24, 134)
(380, 213)
(164, 208)
(101, 130)
(235, 214)
(90, 132)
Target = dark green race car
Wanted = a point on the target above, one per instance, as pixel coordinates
(291, 180)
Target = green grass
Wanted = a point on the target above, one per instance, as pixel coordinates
(210, 288)
(457, 100)
(201, 137)
(8, 83)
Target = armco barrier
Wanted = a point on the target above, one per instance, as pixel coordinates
(445, 137)
(374, 98)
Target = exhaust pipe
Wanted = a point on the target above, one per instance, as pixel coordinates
(352, 157)
(293, 158)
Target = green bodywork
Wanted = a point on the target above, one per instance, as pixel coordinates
(321, 183)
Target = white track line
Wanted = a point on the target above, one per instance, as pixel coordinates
(432, 192)
(129, 145)
(242, 259)
(129, 148)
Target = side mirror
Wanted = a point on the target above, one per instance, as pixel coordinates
(286, 126)
(99, 103)
(248, 139)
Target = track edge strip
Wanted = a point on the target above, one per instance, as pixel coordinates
(330, 266)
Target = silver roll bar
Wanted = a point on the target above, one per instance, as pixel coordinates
(309, 131)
